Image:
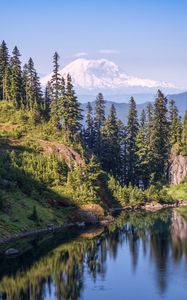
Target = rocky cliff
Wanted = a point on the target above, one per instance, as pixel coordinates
(71, 157)
(177, 167)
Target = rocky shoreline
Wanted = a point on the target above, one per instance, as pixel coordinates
(152, 206)
(99, 221)
(50, 229)
(25, 234)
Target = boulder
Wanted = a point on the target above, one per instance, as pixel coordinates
(11, 251)
(153, 206)
(89, 213)
(6, 183)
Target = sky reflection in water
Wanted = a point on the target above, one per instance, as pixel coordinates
(140, 256)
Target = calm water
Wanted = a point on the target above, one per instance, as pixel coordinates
(140, 256)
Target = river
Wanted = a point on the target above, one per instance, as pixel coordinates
(140, 256)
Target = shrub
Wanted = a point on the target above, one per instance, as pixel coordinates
(136, 196)
(152, 193)
(34, 216)
(32, 173)
(126, 196)
(164, 197)
(83, 182)
(158, 194)
(121, 194)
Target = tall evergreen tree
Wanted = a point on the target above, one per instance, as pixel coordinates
(142, 152)
(174, 124)
(184, 132)
(89, 131)
(148, 129)
(47, 101)
(98, 123)
(56, 93)
(16, 78)
(24, 81)
(122, 140)
(111, 154)
(71, 111)
(7, 85)
(4, 64)
(38, 95)
(159, 143)
(132, 130)
(31, 83)
(149, 121)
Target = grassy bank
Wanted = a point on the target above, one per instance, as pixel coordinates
(178, 192)
(23, 213)
(43, 177)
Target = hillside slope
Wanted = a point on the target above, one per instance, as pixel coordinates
(43, 180)
(46, 180)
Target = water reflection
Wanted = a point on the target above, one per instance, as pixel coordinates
(57, 267)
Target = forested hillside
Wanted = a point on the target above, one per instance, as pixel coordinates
(51, 164)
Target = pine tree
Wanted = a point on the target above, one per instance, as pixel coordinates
(142, 152)
(184, 132)
(132, 130)
(149, 121)
(7, 85)
(174, 124)
(159, 140)
(38, 95)
(71, 111)
(89, 134)
(16, 78)
(33, 94)
(111, 154)
(4, 65)
(57, 93)
(24, 89)
(122, 140)
(47, 101)
(98, 123)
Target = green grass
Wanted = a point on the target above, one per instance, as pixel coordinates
(182, 211)
(178, 192)
(15, 217)
(21, 132)
(20, 135)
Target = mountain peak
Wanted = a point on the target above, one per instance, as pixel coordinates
(102, 74)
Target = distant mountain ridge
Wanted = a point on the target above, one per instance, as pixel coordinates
(122, 108)
(180, 100)
(119, 98)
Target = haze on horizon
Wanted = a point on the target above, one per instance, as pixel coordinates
(145, 38)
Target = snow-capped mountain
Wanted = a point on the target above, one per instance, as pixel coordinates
(102, 74)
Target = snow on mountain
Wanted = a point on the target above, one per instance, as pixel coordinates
(103, 74)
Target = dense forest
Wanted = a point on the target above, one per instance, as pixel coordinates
(128, 162)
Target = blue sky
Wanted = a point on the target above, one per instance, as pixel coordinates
(145, 37)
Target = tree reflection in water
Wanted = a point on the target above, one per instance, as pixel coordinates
(53, 263)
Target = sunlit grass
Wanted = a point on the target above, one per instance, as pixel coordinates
(179, 192)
